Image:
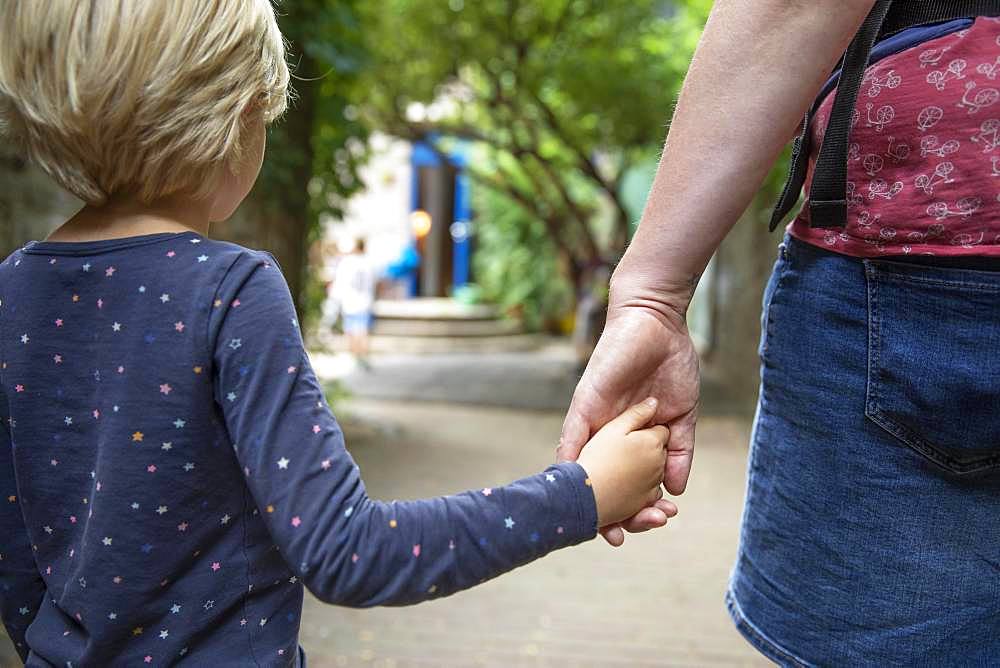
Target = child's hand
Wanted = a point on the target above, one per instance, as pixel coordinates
(625, 462)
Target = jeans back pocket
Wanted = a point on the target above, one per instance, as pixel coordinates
(934, 361)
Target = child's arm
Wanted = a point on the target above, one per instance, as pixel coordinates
(347, 548)
(22, 589)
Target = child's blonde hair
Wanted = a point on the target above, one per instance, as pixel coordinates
(145, 97)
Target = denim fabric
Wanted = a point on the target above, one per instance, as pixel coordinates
(871, 533)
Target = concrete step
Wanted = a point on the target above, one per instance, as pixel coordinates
(436, 308)
(445, 327)
(421, 345)
(441, 318)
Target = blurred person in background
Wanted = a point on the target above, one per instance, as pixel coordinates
(330, 309)
(353, 289)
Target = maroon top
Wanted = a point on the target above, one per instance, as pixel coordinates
(924, 167)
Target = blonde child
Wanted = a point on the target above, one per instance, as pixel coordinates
(170, 473)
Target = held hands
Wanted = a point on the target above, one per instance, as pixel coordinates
(643, 352)
(625, 462)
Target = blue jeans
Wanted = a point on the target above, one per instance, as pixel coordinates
(871, 532)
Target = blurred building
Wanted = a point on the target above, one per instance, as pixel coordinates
(416, 198)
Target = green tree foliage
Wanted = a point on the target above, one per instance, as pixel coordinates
(314, 152)
(514, 264)
(564, 100)
(320, 134)
(564, 96)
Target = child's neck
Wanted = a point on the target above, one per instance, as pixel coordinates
(127, 217)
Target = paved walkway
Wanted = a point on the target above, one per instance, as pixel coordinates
(655, 602)
(533, 380)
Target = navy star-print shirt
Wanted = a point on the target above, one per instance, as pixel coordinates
(171, 475)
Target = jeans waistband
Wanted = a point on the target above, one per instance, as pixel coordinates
(969, 262)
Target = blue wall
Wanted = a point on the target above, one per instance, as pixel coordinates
(425, 156)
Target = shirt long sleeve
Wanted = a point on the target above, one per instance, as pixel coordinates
(347, 548)
(22, 589)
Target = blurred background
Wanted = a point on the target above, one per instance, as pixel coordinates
(469, 172)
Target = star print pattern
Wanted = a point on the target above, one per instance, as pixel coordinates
(201, 432)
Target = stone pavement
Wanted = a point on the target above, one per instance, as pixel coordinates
(535, 380)
(541, 378)
(655, 602)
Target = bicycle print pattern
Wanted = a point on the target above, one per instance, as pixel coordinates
(923, 165)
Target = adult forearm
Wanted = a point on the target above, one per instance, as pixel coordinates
(755, 72)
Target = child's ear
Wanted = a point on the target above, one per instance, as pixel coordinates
(256, 107)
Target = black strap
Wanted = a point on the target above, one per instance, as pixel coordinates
(908, 13)
(830, 199)
(828, 193)
(796, 176)
(802, 144)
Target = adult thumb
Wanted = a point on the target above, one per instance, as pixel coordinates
(637, 416)
(575, 433)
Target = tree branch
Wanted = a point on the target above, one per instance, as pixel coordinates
(552, 226)
(588, 167)
(517, 117)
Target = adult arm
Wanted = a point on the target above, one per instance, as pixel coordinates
(347, 548)
(756, 70)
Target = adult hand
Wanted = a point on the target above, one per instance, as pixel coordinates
(643, 352)
(699, 192)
